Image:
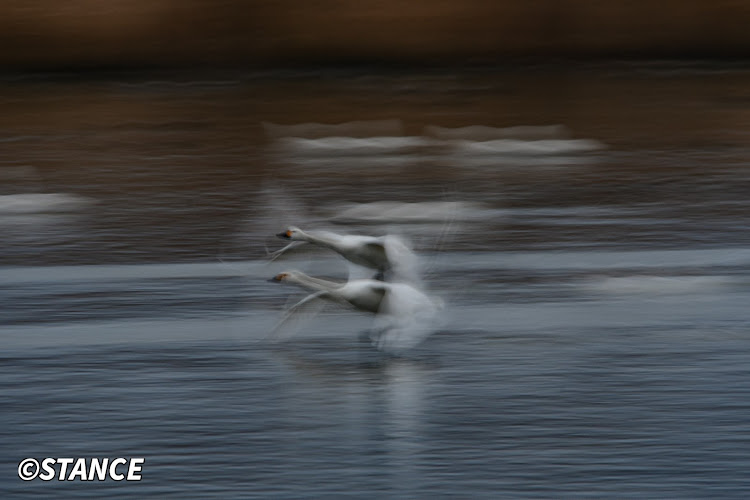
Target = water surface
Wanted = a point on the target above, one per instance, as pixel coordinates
(594, 341)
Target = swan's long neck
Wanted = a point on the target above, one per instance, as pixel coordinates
(322, 238)
(314, 284)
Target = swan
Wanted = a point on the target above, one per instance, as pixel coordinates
(404, 314)
(389, 255)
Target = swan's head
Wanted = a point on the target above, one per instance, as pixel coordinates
(279, 278)
(289, 277)
(291, 233)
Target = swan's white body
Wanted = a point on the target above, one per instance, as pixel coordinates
(388, 255)
(404, 314)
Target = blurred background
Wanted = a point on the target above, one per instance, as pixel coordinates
(574, 176)
(85, 33)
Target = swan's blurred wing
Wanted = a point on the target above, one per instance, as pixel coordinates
(405, 266)
(279, 206)
(300, 313)
(291, 248)
(406, 318)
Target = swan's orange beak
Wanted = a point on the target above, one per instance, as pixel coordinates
(285, 235)
(278, 278)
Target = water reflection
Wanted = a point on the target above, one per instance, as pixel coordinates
(378, 403)
(406, 388)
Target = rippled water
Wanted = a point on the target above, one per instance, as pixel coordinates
(594, 268)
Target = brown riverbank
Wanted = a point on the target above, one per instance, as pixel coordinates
(84, 33)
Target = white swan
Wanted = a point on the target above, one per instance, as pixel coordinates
(389, 255)
(404, 315)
